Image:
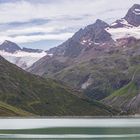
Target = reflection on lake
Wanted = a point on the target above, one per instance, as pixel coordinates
(70, 129)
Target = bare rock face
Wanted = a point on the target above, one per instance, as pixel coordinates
(32, 50)
(126, 42)
(9, 46)
(89, 36)
(94, 32)
(133, 15)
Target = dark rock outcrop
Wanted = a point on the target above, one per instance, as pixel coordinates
(133, 15)
(9, 46)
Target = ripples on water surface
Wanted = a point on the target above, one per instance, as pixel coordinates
(69, 129)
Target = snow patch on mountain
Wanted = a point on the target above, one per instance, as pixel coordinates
(125, 23)
(21, 58)
(120, 23)
(87, 83)
(136, 11)
(124, 30)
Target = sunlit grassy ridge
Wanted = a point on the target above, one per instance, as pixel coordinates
(130, 89)
(8, 110)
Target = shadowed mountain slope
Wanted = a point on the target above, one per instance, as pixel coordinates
(44, 97)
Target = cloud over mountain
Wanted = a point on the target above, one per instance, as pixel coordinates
(24, 21)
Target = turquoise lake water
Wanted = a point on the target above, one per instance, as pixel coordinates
(70, 129)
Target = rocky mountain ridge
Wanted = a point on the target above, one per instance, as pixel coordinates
(12, 47)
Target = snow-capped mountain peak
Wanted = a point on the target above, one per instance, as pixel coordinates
(23, 58)
(136, 11)
(124, 32)
(133, 15)
(127, 27)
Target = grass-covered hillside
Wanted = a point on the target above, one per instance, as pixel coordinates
(21, 92)
(126, 98)
(8, 110)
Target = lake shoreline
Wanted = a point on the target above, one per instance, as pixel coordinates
(75, 117)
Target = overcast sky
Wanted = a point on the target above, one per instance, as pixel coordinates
(46, 23)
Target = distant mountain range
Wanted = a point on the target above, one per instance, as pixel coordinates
(101, 60)
(22, 57)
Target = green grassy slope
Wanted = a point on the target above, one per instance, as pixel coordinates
(8, 110)
(124, 98)
(130, 89)
(42, 96)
